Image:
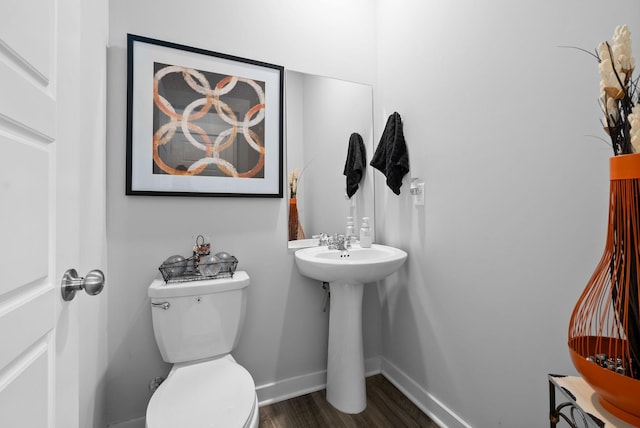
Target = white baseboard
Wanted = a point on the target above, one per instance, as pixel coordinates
(131, 423)
(429, 404)
(296, 386)
(281, 390)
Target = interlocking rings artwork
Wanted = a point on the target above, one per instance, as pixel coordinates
(201, 123)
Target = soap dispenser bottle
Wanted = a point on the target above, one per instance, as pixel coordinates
(365, 233)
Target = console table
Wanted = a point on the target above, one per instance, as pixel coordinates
(582, 408)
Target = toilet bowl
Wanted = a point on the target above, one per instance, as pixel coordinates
(196, 325)
(212, 393)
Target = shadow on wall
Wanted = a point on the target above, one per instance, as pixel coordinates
(134, 346)
(301, 359)
(302, 316)
(405, 310)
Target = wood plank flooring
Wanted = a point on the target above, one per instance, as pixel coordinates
(387, 407)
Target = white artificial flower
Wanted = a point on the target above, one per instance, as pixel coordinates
(634, 122)
(622, 49)
(610, 81)
(293, 182)
(610, 108)
(603, 51)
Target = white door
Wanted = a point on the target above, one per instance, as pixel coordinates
(41, 211)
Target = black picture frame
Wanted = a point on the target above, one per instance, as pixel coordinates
(202, 123)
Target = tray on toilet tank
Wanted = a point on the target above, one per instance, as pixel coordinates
(194, 269)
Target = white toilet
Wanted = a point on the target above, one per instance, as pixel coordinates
(196, 325)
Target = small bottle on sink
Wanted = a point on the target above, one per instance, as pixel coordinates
(365, 233)
(350, 231)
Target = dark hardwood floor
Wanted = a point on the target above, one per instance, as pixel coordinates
(387, 407)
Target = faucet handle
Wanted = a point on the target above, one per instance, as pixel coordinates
(323, 239)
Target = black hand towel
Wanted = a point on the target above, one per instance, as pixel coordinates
(355, 164)
(391, 157)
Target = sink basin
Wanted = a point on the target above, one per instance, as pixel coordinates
(356, 265)
(347, 272)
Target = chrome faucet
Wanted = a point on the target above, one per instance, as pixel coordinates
(339, 242)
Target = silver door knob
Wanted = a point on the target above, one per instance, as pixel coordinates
(93, 283)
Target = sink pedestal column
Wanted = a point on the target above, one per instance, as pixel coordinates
(345, 369)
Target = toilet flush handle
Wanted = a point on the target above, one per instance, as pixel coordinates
(162, 305)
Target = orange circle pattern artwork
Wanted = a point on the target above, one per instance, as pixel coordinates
(184, 124)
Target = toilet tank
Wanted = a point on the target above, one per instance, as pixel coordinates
(198, 319)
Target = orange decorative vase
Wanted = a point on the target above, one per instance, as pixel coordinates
(295, 228)
(604, 329)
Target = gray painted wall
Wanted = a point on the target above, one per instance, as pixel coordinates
(499, 122)
(285, 332)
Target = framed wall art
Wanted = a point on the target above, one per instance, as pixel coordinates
(202, 123)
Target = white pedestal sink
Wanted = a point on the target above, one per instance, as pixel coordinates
(347, 273)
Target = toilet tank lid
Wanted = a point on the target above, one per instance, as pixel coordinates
(159, 288)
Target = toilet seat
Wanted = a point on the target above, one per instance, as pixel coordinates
(212, 393)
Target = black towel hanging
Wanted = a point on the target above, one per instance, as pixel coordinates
(391, 157)
(355, 164)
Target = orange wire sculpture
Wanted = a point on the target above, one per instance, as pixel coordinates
(604, 330)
